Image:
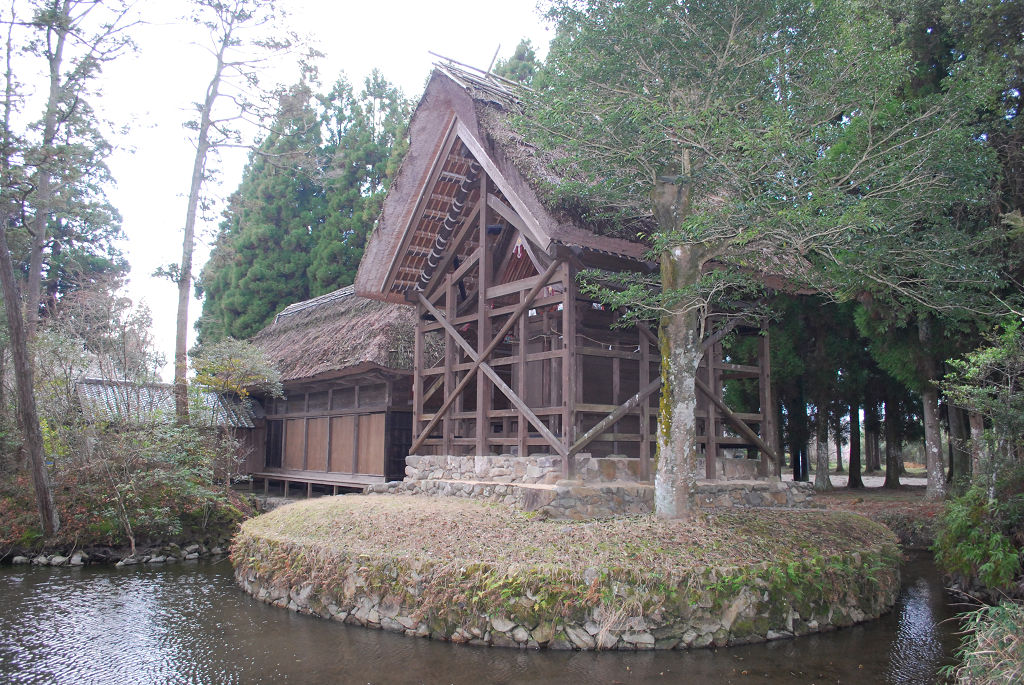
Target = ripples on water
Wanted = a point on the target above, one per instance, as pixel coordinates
(188, 623)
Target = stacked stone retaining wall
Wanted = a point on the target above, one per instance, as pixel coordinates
(736, 606)
(600, 499)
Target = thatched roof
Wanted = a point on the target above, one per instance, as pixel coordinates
(148, 403)
(461, 122)
(338, 334)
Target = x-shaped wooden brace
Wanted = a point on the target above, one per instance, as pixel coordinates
(479, 363)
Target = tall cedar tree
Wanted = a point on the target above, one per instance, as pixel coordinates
(297, 225)
(776, 134)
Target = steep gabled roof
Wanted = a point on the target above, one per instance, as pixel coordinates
(461, 127)
(338, 334)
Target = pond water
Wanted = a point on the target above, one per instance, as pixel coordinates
(189, 623)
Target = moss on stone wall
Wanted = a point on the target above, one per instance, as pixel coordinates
(470, 572)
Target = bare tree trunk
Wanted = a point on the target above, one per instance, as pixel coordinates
(936, 489)
(837, 427)
(855, 480)
(892, 466)
(960, 457)
(31, 433)
(188, 243)
(822, 482)
(977, 423)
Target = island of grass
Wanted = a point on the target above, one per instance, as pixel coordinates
(480, 573)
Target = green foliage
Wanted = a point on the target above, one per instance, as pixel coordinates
(992, 650)
(236, 367)
(990, 381)
(845, 179)
(981, 534)
(521, 66)
(141, 483)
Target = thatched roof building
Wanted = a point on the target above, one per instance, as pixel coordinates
(338, 334)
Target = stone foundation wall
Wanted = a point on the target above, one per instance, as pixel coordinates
(587, 500)
(764, 604)
(503, 468)
(754, 493)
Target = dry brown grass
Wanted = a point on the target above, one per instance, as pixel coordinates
(450, 530)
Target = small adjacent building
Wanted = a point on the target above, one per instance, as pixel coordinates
(346, 416)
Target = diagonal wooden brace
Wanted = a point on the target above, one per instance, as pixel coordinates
(736, 421)
(478, 362)
(616, 414)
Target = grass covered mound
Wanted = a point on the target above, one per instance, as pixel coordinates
(457, 531)
(466, 570)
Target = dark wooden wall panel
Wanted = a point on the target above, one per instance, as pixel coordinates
(342, 443)
(294, 439)
(316, 446)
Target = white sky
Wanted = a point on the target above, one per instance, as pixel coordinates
(152, 91)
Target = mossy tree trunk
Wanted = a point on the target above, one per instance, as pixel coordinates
(680, 335)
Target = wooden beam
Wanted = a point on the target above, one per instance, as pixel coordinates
(448, 142)
(478, 151)
(520, 310)
(571, 380)
(619, 412)
(483, 400)
(501, 385)
(735, 421)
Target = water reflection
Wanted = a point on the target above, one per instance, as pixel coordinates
(190, 624)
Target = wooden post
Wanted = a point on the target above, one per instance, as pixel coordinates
(417, 372)
(645, 406)
(355, 439)
(330, 427)
(711, 439)
(770, 424)
(524, 428)
(570, 381)
(451, 307)
(616, 390)
(483, 329)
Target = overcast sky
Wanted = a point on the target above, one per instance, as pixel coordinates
(152, 91)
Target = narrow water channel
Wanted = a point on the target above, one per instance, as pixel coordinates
(189, 623)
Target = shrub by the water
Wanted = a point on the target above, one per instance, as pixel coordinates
(981, 533)
(134, 484)
(993, 649)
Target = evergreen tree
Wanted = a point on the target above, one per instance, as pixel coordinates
(261, 256)
(297, 225)
(367, 139)
(521, 66)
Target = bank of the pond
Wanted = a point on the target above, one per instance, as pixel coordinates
(479, 573)
(180, 529)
